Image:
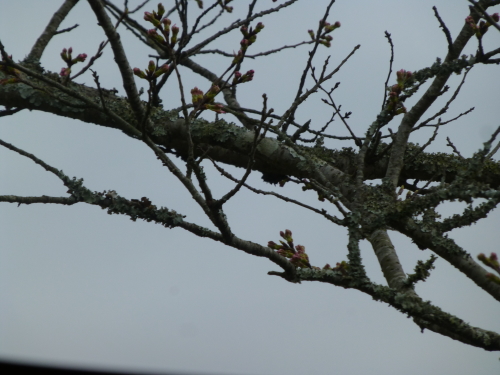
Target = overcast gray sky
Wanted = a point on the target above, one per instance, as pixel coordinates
(80, 287)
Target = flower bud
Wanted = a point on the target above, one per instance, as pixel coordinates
(64, 54)
(80, 58)
(238, 57)
(217, 108)
(150, 17)
(139, 73)
(161, 70)
(151, 67)
(161, 10)
(244, 44)
(196, 95)
(65, 72)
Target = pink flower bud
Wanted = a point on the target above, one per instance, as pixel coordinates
(139, 73)
(196, 95)
(150, 17)
(161, 70)
(495, 17)
(217, 108)
(65, 72)
(80, 58)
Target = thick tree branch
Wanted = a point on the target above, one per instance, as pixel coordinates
(37, 50)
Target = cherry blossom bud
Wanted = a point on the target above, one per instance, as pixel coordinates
(151, 18)
(161, 70)
(300, 249)
(161, 10)
(64, 54)
(139, 73)
(151, 66)
(65, 72)
(495, 17)
(173, 39)
(273, 245)
(196, 95)
(80, 58)
(238, 57)
(217, 108)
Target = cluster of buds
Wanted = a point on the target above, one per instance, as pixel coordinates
(168, 32)
(308, 186)
(12, 72)
(222, 3)
(152, 72)
(207, 100)
(342, 267)
(239, 78)
(296, 254)
(70, 61)
(492, 262)
(249, 38)
(324, 38)
(483, 26)
(394, 105)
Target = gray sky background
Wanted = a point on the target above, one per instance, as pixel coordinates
(80, 287)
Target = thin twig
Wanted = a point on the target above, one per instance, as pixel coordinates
(50, 30)
(445, 30)
(450, 144)
(389, 39)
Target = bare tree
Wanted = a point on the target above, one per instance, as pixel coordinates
(385, 183)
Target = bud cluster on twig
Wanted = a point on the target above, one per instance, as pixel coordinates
(492, 262)
(66, 55)
(168, 32)
(249, 38)
(206, 101)
(151, 72)
(394, 104)
(483, 26)
(296, 254)
(326, 28)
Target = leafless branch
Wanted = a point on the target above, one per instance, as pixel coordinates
(445, 29)
(51, 30)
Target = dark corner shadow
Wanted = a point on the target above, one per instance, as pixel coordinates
(11, 367)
